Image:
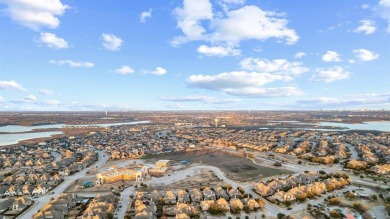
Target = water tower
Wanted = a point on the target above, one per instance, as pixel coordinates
(216, 122)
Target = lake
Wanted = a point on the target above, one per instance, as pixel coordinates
(15, 134)
(7, 139)
(383, 126)
(19, 128)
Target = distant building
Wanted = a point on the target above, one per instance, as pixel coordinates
(158, 171)
(163, 163)
(135, 172)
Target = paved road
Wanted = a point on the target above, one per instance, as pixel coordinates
(61, 188)
(57, 156)
(124, 202)
(378, 212)
(352, 149)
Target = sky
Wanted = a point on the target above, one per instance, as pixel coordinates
(61, 55)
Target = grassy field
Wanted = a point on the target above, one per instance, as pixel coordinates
(236, 168)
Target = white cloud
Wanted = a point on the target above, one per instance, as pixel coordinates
(52, 102)
(241, 83)
(87, 106)
(2, 99)
(299, 55)
(383, 10)
(11, 85)
(230, 26)
(366, 26)
(331, 56)
(35, 14)
(238, 79)
(265, 92)
(145, 15)
(218, 51)
(384, 3)
(111, 42)
(191, 98)
(359, 100)
(226, 5)
(329, 75)
(46, 92)
(234, 2)
(124, 70)
(158, 71)
(173, 106)
(251, 22)
(365, 6)
(30, 98)
(280, 66)
(72, 63)
(52, 41)
(365, 55)
(189, 19)
(198, 98)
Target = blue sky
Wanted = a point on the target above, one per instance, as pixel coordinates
(194, 55)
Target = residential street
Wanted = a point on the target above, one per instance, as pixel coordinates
(124, 202)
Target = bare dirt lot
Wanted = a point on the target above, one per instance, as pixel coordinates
(203, 178)
(235, 168)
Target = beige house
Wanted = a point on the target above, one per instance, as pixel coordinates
(222, 203)
(205, 205)
(236, 203)
(284, 196)
(264, 190)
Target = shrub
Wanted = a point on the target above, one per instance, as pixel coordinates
(301, 197)
(110, 216)
(334, 201)
(335, 214)
(350, 195)
(359, 207)
(246, 209)
(235, 210)
(215, 210)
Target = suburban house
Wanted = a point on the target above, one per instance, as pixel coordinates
(223, 204)
(196, 196)
(208, 194)
(41, 189)
(170, 197)
(205, 205)
(20, 204)
(183, 196)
